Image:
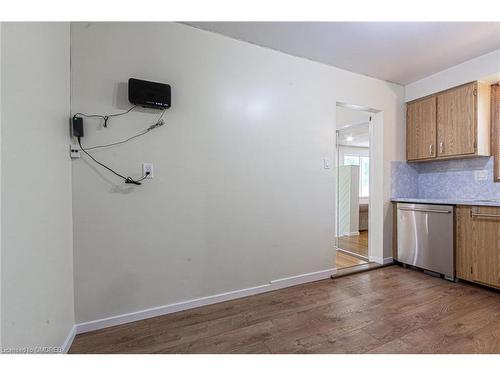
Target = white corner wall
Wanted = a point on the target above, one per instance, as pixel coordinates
(240, 196)
(485, 67)
(37, 307)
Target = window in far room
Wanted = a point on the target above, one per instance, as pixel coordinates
(364, 172)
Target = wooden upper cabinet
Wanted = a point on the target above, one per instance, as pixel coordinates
(421, 129)
(450, 124)
(456, 123)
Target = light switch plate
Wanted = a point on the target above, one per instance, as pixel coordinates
(327, 164)
(481, 175)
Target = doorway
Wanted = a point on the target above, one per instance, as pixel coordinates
(353, 186)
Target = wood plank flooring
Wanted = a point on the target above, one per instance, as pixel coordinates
(355, 244)
(386, 310)
(344, 260)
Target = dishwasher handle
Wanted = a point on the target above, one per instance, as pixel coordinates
(425, 210)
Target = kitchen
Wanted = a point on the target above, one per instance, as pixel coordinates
(446, 196)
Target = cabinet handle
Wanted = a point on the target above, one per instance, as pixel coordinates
(441, 147)
(430, 149)
(475, 213)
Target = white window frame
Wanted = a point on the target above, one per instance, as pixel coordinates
(359, 157)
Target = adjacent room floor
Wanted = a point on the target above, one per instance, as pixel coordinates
(386, 310)
(357, 245)
(352, 250)
(345, 260)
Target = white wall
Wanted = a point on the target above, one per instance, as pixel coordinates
(486, 67)
(36, 219)
(239, 197)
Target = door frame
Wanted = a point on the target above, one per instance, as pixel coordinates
(375, 232)
(338, 161)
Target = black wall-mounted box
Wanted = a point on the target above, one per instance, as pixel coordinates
(149, 94)
(77, 127)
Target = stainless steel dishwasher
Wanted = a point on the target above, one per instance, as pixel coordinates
(425, 237)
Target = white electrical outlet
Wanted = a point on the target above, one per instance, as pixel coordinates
(481, 175)
(74, 151)
(147, 168)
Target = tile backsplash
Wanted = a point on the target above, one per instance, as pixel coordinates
(404, 181)
(444, 179)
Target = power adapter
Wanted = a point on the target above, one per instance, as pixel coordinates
(77, 127)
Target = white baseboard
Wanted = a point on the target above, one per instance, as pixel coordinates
(301, 279)
(388, 260)
(380, 260)
(69, 340)
(203, 301)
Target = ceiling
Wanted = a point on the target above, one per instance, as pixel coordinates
(400, 52)
(353, 127)
(346, 117)
(355, 136)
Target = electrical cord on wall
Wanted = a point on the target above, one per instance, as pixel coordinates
(105, 117)
(128, 180)
(145, 131)
(157, 124)
(120, 142)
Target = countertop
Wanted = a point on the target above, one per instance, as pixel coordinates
(451, 201)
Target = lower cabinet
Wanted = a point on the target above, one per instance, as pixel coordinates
(478, 244)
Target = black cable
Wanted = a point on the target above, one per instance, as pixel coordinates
(158, 123)
(105, 117)
(128, 180)
(122, 113)
(143, 177)
(120, 142)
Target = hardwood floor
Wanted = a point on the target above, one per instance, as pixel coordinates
(344, 260)
(355, 244)
(386, 310)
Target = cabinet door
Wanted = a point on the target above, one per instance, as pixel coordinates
(421, 129)
(456, 125)
(463, 243)
(486, 245)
